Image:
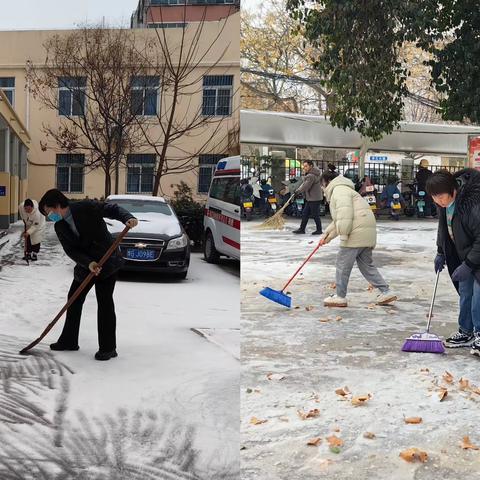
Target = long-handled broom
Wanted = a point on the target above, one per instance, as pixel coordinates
(78, 291)
(425, 342)
(276, 222)
(278, 295)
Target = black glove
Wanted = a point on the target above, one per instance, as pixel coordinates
(439, 262)
(297, 194)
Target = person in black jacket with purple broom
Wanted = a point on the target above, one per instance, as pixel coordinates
(458, 242)
(84, 236)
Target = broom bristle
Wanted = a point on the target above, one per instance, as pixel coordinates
(423, 343)
(274, 223)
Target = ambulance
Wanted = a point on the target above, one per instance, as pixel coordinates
(222, 212)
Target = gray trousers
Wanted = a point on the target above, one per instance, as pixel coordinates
(346, 258)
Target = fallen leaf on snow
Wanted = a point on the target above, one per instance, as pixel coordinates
(448, 377)
(414, 454)
(442, 394)
(275, 376)
(296, 308)
(360, 400)
(342, 391)
(314, 442)
(370, 288)
(369, 435)
(467, 445)
(475, 389)
(426, 370)
(310, 414)
(325, 320)
(257, 421)
(371, 306)
(334, 441)
(332, 286)
(338, 318)
(463, 384)
(309, 308)
(413, 420)
(284, 419)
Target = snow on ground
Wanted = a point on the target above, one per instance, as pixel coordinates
(166, 408)
(314, 351)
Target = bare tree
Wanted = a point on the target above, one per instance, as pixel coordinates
(87, 78)
(185, 59)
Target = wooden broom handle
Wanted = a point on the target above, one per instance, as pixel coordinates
(78, 291)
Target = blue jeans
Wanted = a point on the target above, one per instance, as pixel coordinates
(469, 316)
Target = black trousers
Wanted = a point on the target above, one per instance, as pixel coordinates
(106, 319)
(311, 210)
(32, 248)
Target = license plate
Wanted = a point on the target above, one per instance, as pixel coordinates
(248, 205)
(138, 254)
(397, 207)
(421, 204)
(300, 201)
(272, 200)
(274, 207)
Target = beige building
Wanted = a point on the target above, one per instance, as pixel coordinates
(14, 144)
(51, 168)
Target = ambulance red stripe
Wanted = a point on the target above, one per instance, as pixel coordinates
(231, 222)
(231, 242)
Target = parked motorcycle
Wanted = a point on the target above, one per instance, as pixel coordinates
(271, 203)
(371, 198)
(421, 204)
(247, 207)
(395, 207)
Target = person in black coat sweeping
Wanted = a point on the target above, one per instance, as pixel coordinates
(85, 239)
(458, 243)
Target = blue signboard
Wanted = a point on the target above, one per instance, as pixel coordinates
(3, 191)
(379, 158)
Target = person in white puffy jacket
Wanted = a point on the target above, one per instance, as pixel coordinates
(34, 225)
(354, 222)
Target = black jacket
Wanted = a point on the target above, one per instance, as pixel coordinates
(465, 224)
(422, 177)
(94, 238)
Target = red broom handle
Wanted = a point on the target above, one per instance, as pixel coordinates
(301, 266)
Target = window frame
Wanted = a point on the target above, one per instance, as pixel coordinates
(9, 90)
(72, 91)
(217, 89)
(69, 166)
(144, 89)
(139, 164)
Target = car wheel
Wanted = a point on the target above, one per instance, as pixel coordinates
(209, 251)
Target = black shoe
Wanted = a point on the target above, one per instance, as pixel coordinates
(34, 258)
(27, 257)
(317, 232)
(475, 350)
(299, 231)
(459, 339)
(106, 355)
(57, 346)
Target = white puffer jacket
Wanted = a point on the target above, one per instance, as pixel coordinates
(34, 222)
(353, 221)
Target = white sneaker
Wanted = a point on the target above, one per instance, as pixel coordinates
(335, 301)
(385, 298)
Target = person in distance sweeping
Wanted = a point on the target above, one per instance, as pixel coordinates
(354, 222)
(312, 190)
(84, 236)
(458, 244)
(34, 223)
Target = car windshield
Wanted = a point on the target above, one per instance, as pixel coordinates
(144, 206)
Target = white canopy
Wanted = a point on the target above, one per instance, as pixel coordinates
(287, 129)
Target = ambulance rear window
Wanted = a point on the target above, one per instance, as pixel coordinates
(226, 190)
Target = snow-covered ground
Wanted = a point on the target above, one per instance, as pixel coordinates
(313, 351)
(166, 408)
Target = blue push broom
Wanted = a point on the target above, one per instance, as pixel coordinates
(277, 295)
(425, 342)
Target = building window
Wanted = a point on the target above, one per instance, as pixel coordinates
(7, 86)
(207, 165)
(145, 95)
(167, 25)
(70, 172)
(72, 96)
(140, 173)
(217, 95)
